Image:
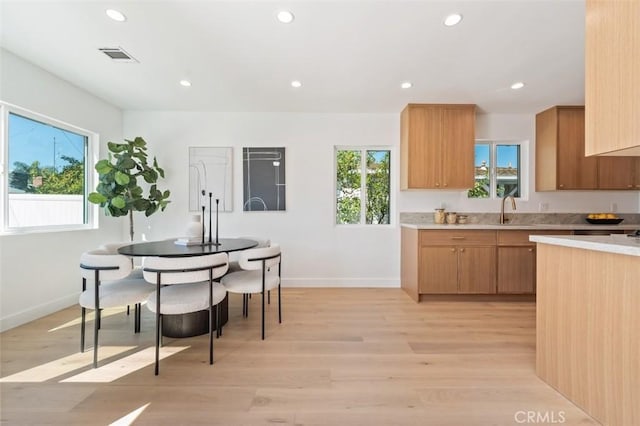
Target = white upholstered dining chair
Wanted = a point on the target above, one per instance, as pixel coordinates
(185, 285)
(107, 283)
(261, 270)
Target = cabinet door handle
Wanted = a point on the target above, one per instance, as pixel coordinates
(437, 184)
(461, 250)
(561, 186)
(530, 250)
(444, 184)
(629, 186)
(458, 238)
(453, 250)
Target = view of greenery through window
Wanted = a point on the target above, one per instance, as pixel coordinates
(48, 161)
(44, 159)
(358, 186)
(496, 170)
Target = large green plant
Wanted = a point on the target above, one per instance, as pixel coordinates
(118, 192)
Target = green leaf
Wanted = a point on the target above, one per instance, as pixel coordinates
(141, 205)
(127, 163)
(140, 143)
(103, 167)
(116, 147)
(166, 194)
(160, 172)
(121, 178)
(118, 202)
(96, 198)
(150, 176)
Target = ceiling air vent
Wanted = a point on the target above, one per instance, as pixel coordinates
(117, 54)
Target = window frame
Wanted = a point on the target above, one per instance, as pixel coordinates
(524, 167)
(363, 184)
(90, 176)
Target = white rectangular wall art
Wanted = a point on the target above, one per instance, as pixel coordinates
(264, 185)
(210, 171)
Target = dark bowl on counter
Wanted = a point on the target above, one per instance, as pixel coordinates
(604, 221)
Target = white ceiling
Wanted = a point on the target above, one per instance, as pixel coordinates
(351, 56)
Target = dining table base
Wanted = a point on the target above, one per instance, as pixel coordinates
(194, 323)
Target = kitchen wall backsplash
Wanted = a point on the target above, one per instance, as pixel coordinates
(517, 218)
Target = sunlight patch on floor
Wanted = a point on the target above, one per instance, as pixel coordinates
(105, 313)
(64, 365)
(121, 367)
(129, 418)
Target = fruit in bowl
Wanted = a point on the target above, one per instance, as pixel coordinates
(603, 218)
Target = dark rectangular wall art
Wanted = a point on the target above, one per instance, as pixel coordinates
(263, 176)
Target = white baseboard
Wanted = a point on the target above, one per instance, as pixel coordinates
(341, 282)
(35, 312)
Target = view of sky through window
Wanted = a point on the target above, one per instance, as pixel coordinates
(32, 140)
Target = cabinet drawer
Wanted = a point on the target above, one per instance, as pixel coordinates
(521, 238)
(448, 238)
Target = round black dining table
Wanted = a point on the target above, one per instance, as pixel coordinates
(169, 248)
(195, 323)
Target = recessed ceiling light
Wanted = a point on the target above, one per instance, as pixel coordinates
(296, 83)
(116, 15)
(518, 85)
(285, 16)
(406, 85)
(452, 19)
(185, 83)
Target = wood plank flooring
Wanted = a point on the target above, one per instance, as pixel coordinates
(340, 357)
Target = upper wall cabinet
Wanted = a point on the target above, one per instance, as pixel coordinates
(560, 158)
(612, 85)
(437, 146)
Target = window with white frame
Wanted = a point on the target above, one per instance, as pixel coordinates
(363, 186)
(497, 170)
(47, 171)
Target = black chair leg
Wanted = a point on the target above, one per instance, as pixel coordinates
(127, 309)
(210, 335)
(262, 314)
(269, 297)
(218, 325)
(82, 330)
(96, 327)
(279, 306)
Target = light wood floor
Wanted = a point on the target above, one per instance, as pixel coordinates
(340, 357)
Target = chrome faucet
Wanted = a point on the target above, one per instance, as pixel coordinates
(504, 220)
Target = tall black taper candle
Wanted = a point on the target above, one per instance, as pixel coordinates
(210, 195)
(203, 225)
(217, 202)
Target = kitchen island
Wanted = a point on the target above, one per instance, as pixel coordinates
(588, 322)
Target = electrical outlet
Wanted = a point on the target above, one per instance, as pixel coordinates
(614, 207)
(543, 207)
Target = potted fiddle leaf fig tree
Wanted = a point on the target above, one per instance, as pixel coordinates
(118, 191)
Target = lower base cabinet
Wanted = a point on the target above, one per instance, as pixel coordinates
(469, 261)
(517, 270)
(457, 262)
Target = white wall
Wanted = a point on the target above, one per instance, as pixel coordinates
(39, 272)
(315, 251)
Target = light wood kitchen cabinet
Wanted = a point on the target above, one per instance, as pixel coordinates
(560, 159)
(517, 260)
(612, 86)
(618, 173)
(517, 270)
(437, 146)
(457, 262)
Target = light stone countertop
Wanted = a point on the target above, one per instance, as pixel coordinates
(618, 244)
(541, 226)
